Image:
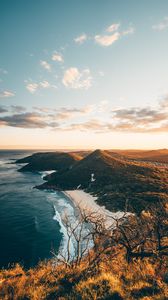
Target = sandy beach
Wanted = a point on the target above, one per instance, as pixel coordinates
(87, 202)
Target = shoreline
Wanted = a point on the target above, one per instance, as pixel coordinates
(86, 202)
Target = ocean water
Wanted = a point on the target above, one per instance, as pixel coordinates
(31, 225)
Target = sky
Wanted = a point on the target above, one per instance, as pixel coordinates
(84, 74)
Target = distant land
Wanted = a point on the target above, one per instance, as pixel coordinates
(133, 178)
(160, 155)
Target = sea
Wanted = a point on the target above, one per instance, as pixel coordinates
(31, 220)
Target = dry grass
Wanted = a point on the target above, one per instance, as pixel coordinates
(114, 279)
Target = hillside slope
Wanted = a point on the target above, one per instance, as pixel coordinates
(160, 155)
(49, 161)
(114, 180)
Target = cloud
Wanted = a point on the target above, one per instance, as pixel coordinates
(44, 84)
(147, 119)
(57, 57)
(140, 115)
(107, 40)
(91, 125)
(164, 103)
(65, 113)
(81, 39)
(113, 35)
(69, 113)
(113, 27)
(6, 94)
(12, 108)
(43, 109)
(45, 65)
(32, 87)
(75, 79)
(135, 119)
(3, 109)
(17, 108)
(42, 117)
(98, 118)
(162, 25)
(24, 120)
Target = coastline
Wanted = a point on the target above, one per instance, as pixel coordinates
(87, 203)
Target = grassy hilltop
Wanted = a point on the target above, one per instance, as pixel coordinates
(115, 280)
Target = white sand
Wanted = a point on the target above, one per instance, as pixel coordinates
(88, 203)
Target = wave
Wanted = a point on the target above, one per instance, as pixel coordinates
(45, 173)
(64, 243)
(5, 162)
(64, 212)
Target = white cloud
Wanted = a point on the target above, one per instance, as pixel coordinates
(113, 27)
(6, 94)
(32, 87)
(45, 65)
(107, 40)
(45, 84)
(81, 39)
(77, 80)
(162, 25)
(112, 34)
(57, 57)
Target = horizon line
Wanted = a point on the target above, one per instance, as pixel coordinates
(71, 148)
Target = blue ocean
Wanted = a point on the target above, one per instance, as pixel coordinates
(31, 226)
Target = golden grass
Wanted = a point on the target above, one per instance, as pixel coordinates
(113, 279)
